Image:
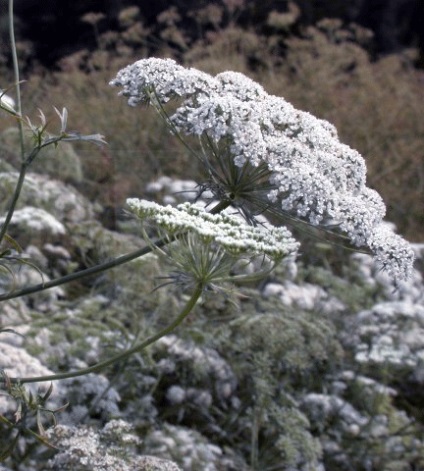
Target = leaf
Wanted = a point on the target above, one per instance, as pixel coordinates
(24, 261)
(6, 421)
(7, 104)
(47, 393)
(7, 384)
(4, 267)
(63, 119)
(41, 439)
(13, 243)
(75, 136)
(40, 427)
(18, 414)
(42, 118)
(60, 409)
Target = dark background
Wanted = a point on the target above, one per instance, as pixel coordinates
(55, 29)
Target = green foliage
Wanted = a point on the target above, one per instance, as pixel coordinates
(274, 354)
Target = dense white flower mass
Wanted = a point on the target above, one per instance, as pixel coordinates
(140, 81)
(230, 232)
(312, 175)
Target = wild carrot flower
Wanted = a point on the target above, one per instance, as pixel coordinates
(207, 247)
(229, 231)
(260, 151)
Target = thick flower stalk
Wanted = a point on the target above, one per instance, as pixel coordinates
(310, 174)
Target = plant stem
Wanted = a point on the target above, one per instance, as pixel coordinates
(120, 356)
(16, 74)
(15, 198)
(82, 273)
(22, 173)
(20, 126)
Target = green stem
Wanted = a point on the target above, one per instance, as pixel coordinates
(15, 198)
(16, 74)
(83, 273)
(26, 162)
(224, 204)
(120, 356)
(20, 126)
(22, 173)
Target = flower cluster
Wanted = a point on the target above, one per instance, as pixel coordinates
(228, 231)
(206, 250)
(311, 174)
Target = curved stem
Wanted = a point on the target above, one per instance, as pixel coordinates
(120, 356)
(19, 184)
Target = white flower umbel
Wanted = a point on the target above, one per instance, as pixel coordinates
(210, 249)
(229, 232)
(140, 81)
(391, 252)
(298, 165)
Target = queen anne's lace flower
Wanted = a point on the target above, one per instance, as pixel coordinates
(303, 189)
(359, 215)
(140, 80)
(311, 174)
(224, 117)
(230, 232)
(241, 87)
(391, 252)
